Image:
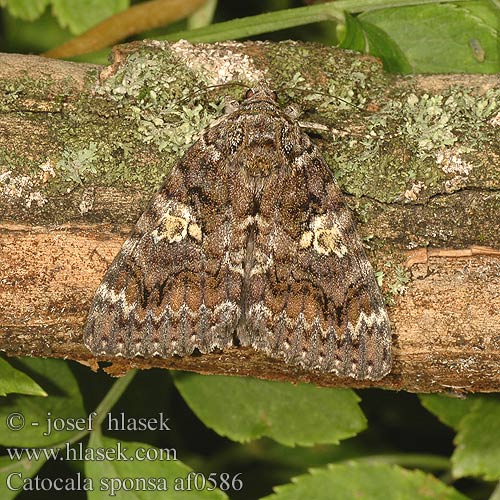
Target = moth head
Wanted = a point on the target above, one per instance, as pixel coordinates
(261, 93)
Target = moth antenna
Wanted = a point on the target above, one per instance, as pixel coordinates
(214, 86)
(295, 113)
(310, 91)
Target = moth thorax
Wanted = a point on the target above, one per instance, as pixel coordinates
(261, 161)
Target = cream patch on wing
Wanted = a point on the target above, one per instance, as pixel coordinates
(176, 223)
(325, 236)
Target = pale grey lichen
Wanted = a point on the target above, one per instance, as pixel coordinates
(220, 63)
(427, 122)
(20, 187)
(451, 162)
(163, 111)
(412, 193)
(74, 164)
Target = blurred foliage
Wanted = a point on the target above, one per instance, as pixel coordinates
(404, 441)
(415, 37)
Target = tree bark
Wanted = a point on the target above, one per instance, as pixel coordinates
(83, 148)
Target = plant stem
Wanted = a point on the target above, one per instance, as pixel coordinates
(288, 18)
(495, 495)
(103, 408)
(113, 395)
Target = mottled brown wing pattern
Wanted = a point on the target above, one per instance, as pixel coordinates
(315, 302)
(248, 241)
(172, 288)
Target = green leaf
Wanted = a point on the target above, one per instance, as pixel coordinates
(28, 10)
(12, 473)
(478, 436)
(478, 441)
(32, 37)
(447, 409)
(358, 481)
(286, 18)
(80, 15)
(203, 16)
(15, 381)
(354, 36)
(368, 38)
(443, 38)
(33, 413)
(381, 45)
(112, 478)
(245, 408)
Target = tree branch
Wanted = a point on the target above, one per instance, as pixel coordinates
(84, 147)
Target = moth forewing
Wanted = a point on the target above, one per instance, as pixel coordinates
(248, 241)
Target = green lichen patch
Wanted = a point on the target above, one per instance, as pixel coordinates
(414, 147)
(146, 77)
(160, 108)
(42, 92)
(433, 123)
(445, 134)
(75, 164)
(11, 92)
(333, 80)
(394, 279)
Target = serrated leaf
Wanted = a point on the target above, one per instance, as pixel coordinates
(28, 10)
(357, 481)
(437, 37)
(63, 402)
(80, 15)
(15, 381)
(12, 473)
(478, 441)
(447, 409)
(244, 408)
(113, 478)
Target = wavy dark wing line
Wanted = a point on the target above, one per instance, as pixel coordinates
(172, 288)
(314, 300)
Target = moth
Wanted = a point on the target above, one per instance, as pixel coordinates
(248, 242)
